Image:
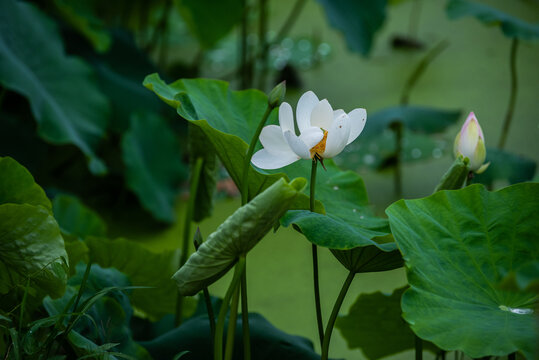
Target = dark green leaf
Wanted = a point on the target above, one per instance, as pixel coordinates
(506, 166)
(31, 246)
(358, 20)
(17, 185)
(76, 219)
(511, 26)
(459, 246)
(154, 171)
(236, 236)
(64, 100)
(374, 324)
(210, 26)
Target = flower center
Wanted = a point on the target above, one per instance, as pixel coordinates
(320, 147)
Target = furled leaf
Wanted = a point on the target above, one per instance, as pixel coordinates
(65, 101)
(459, 246)
(358, 20)
(511, 26)
(374, 324)
(506, 166)
(228, 119)
(76, 219)
(31, 247)
(236, 236)
(210, 26)
(17, 185)
(144, 268)
(359, 240)
(154, 171)
(267, 342)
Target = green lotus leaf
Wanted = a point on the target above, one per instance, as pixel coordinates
(459, 247)
(511, 26)
(374, 317)
(74, 218)
(17, 185)
(31, 247)
(358, 20)
(236, 236)
(65, 102)
(506, 166)
(154, 168)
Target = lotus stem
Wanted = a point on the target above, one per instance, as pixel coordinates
(314, 249)
(231, 332)
(512, 94)
(245, 317)
(418, 348)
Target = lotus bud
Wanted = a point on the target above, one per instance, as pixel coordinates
(470, 143)
(276, 95)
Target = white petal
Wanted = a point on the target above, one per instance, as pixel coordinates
(286, 117)
(337, 113)
(311, 136)
(297, 145)
(273, 140)
(358, 118)
(322, 115)
(306, 104)
(469, 136)
(337, 136)
(265, 160)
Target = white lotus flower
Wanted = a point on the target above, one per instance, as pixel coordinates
(324, 133)
(470, 143)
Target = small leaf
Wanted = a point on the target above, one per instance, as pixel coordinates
(17, 185)
(76, 219)
(358, 20)
(511, 26)
(68, 108)
(236, 236)
(377, 316)
(154, 171)
(459, 246)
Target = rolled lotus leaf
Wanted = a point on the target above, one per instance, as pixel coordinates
(236, 236)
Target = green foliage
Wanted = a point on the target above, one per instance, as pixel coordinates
(511, 26)
(154, 169)
(374, 324)
(74, 218)
(506, 166)
(210, 26)
(267, 342)
(236, 236)
(68, 108)
(459, 246)
(358, 20)
(456, 175)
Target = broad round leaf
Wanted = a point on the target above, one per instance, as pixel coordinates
(236, 236)
(65, 101)
(511, 26)
(506, 166)
(74, 218)
(459, 246)
(17, 185)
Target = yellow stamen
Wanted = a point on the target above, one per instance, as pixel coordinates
(320, 147)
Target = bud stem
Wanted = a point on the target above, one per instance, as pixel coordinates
(512, 94)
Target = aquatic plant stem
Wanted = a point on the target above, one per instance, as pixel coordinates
(335, 313)
(397, 178)
(418, 348)
(314, 249)
(263, 50)
(193, 189)
(512, 94)
(220, 326)
(206, 293)
(245, 317)
(231, 332)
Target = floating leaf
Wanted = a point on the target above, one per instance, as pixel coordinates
(511, 26)
(374, 317)
(17, 185)
(236, 236)
(76, 219)
(506, 166)
(459, 246)
(154, 171)
(210, 26)
(358, 20)
(68, 107)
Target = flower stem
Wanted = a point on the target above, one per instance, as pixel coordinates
(314, 249)
(247, 161)
(231, 332)
(512, 94)
(220, 327)
(397, 178)
(245, 317)
(263, 51)
(193, 189)
(335, 313)
(418, 348)
(209, 309)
